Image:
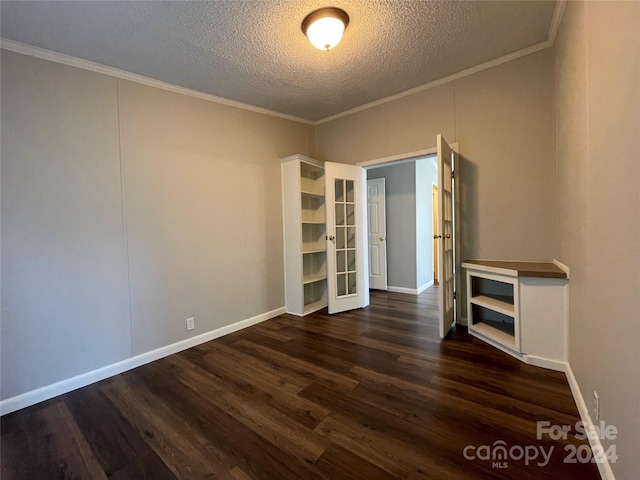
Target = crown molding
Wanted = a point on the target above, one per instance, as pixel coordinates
(555, 20)
(115, 72)
(456, 76)
(551, 38)
(44, 54)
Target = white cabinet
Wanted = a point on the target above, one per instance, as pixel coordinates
(519, 307)
(303, 200)
(492, 309)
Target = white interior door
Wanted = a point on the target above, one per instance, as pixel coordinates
(435, 233)
(347, 267)
(445, 230)
(377, 226)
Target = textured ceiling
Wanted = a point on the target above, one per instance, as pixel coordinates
(255, 52)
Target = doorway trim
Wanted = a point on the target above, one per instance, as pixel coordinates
(408, 157)
(403, 157)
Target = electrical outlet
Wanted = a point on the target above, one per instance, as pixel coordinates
(191, 323)
(596, 407)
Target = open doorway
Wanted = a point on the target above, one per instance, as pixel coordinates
(402, 250)
(445, 162)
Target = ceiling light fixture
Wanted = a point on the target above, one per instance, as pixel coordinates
(324, 27)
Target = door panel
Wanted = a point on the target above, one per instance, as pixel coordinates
(435, 236)
(377, 233)
(445, 229)
(347, 268)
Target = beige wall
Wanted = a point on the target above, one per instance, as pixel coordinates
(598, 140)
(405, 125)
(503, 121)
(65, 306)
(193, 216)
(181, 198)
(106, 180)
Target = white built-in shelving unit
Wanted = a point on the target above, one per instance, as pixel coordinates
(519, 307)
(304, 234)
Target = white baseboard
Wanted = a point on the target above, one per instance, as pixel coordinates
(556, 365)
(410, 291)
(49, 391)
(603, 467)
(424, 287)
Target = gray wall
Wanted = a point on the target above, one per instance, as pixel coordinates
(400, 190)
(125, 210)
(598, 184)
(409, 221)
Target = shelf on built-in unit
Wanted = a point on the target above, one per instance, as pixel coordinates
(305, 231)
(519, 307)
(312, 307)
(315, 294)
(316, 250)
(316, 277)
(493, 331)
(499, 303)
(318, 194)
(310, 182)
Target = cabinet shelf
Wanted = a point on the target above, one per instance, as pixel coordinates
(493, 309)
(312, 210)
(503, 304)
(313, 194)
(521, 314)
(303, 184)
(317, 277)
(315, 306)
(315, 250)
(492, 330)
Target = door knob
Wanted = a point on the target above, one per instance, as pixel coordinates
(331, 237)
(437, 236)
(382, 239)
(448, 235)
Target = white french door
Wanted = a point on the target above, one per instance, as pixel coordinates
(445, 240)
(347, 268)
(377, 233)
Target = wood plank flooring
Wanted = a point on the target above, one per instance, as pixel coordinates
(369, 394)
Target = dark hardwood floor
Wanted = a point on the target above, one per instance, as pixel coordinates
(370, 394)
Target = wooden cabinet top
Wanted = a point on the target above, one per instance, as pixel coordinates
(518, 269)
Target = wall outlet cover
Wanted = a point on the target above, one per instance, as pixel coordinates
(191, 323)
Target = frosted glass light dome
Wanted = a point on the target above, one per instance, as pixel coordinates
(324, 27)
(325, 33)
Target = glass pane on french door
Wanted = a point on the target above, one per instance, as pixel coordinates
(346, 245)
